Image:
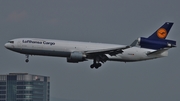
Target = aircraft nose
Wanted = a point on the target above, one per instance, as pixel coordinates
(7, 45)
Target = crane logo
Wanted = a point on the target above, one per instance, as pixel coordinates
(162, 33)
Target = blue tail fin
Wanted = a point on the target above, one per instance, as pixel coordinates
(162, 32)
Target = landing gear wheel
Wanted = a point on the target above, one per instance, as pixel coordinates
(26, 60)
(92, 66)
(97, 65)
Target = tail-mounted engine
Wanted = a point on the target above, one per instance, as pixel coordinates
(155, 43)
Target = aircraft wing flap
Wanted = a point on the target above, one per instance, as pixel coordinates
(112, 51)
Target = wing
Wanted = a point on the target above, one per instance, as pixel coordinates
(111, 51)
(101, 54)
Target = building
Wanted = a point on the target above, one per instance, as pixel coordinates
(24, 87)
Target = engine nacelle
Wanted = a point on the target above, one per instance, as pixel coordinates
(76, 57)
(155, 44)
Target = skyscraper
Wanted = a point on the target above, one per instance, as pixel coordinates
(24, 87)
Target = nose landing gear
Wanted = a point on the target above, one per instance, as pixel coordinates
(27, 59)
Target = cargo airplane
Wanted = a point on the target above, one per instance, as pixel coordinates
(155, 46)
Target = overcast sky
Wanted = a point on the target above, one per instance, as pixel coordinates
(105, 21)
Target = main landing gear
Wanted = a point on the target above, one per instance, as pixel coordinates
(96, 64)
(27, 59)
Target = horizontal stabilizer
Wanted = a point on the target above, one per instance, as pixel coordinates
(157, 51)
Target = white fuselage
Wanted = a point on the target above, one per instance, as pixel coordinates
(61, 48)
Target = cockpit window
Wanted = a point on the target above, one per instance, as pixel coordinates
(11, 41)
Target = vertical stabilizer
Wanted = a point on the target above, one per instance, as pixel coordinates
(162, 32)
